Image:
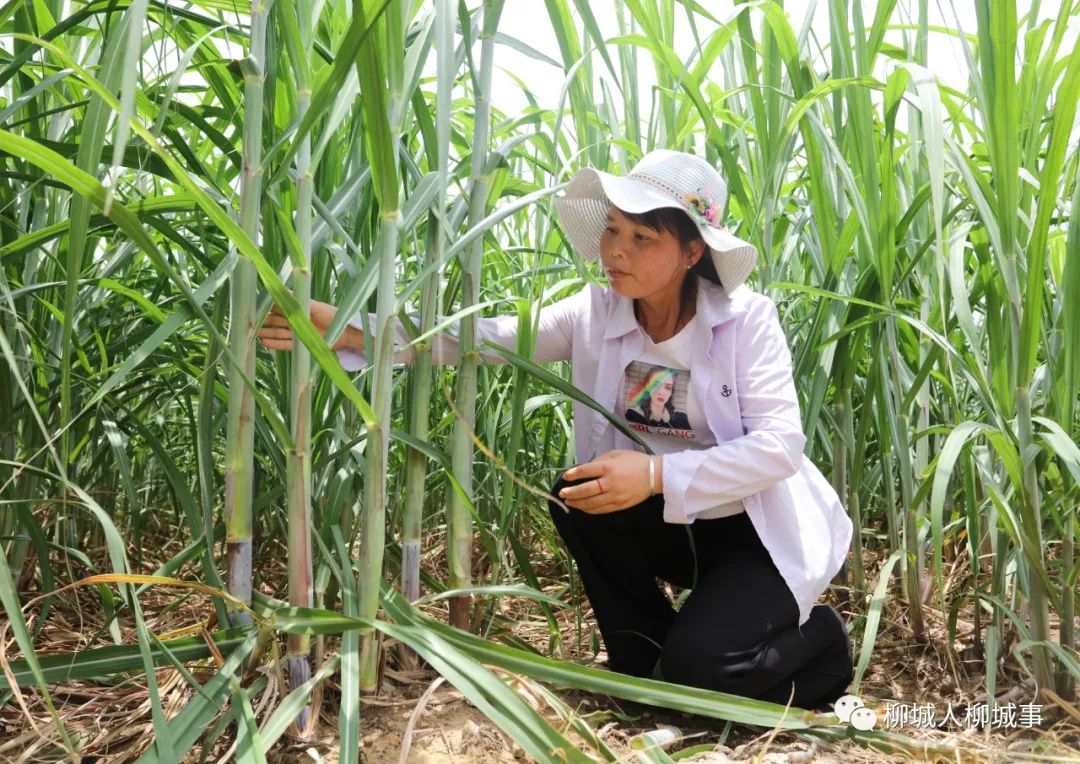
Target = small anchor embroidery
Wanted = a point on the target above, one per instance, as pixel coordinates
(725, 391)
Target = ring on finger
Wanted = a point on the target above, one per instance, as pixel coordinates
(600, 486)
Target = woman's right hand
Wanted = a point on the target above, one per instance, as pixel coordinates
(276, 334)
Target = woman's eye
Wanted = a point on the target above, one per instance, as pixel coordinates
(641, 237)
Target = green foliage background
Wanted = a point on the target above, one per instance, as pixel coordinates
(921, 241)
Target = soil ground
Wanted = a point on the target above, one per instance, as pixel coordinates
(419, 719)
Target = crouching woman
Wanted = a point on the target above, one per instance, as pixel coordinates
(721, 502)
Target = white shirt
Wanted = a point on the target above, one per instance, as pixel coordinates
(743, 379)
(664, 368)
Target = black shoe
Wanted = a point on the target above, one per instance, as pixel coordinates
(840, 688)
(657, 674)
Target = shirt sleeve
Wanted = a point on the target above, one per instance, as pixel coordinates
(554, 336)
(771, 448)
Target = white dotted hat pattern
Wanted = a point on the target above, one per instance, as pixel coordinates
(663, 178)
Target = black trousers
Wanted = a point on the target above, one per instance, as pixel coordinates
(737, 632)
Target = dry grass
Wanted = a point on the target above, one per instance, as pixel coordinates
(112, 722)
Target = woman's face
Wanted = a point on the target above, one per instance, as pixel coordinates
(663, 392)
(641, 262)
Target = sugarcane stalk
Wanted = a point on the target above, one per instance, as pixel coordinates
(420, 395)
(857, 581)
(379, 65)
(376, 451)
(459, 519)
(1070, 361)
(1038, 602)
(15, 552)
(297, 31)
(416, 462)
(240, 427)
(912, 568)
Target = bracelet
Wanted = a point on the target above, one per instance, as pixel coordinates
(652, 476)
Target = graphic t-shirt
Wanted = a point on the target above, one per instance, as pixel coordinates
(658, 405)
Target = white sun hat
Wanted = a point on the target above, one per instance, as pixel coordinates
(663, 178)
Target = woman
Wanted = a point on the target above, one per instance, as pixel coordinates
(734, 511)
(653, 401)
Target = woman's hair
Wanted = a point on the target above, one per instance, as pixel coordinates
(642, 396)
(675, 221)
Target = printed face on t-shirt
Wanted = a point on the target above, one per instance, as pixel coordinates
(654, 399)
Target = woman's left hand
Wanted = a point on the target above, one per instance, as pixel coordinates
(620, 480)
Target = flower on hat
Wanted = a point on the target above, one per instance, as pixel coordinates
(701, 206)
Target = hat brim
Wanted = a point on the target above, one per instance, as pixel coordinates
(583, 212)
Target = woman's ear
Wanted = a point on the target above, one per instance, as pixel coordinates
(695, 252)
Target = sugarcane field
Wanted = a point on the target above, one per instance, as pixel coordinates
(493, 381)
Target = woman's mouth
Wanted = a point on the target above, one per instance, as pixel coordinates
(614, 274)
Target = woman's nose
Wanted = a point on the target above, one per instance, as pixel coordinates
(616, 249)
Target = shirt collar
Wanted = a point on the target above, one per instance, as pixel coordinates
(714, 307)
